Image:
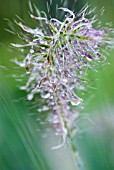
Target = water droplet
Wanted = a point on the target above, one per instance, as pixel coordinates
(51, 103)
(45, 96)
(30, 96)
(45, 108)
(52, 79)
(81, 72)
(58, 130)
(55, 119)
(21, 64)
(23, 87)
(51, 90)
(81, 87)
(39, 110)
(75, 102)
(31, 51)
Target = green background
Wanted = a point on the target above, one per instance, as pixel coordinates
(22, 145)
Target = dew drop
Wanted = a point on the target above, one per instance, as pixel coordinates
(45, 96)
(75, 102)
(21, 64)
(81, 72)
(55, 119)
(23, 88)
(52, 79)
(45, 108)
(31, 51)
(30, 96)
(39, 110)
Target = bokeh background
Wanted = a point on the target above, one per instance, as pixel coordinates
(22, 145)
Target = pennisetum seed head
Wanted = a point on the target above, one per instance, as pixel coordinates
(59, 53)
